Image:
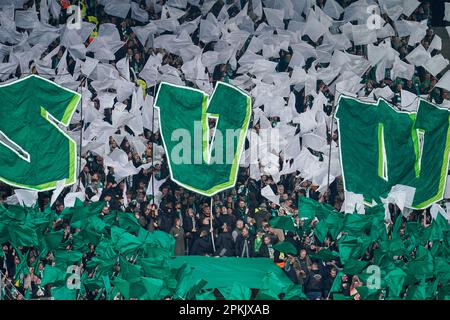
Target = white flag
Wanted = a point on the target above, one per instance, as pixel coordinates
(26, 198)
(436, 64)
(268, 193)
(444, 82)
(447, 12)
(139, 14)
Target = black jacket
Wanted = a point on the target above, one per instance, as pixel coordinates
(240, 244)
(314, 281)
(264, 252)
(225, 245)
(202, 246)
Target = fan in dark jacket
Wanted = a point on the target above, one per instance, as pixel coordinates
(203, 245)
(244, 245)
(225, 243)
(267, 251)
(314, 283)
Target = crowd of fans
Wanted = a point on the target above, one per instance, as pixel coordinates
(240, 216)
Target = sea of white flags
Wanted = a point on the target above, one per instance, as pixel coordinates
(256, 72)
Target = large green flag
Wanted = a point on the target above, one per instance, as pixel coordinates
(382, 147)
(64, 293)
(184, 114)
(236, 292)
(36, 153)
(309, 208)
(395, 280)
(53, 275)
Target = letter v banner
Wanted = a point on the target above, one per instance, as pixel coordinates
(203, 160)
(381, 147)
(34, 152)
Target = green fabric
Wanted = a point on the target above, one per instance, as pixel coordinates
(64, 293)
(186, 108)
(53, 275)
(223, 272)
(309, 208)
(282, 222)
(236, 292)
(36, 99)
(286, 247)
(380, 148)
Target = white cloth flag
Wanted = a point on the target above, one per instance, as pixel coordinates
(402, 69)
(447, 12)
(409, 6)
(402, 196)
(154, 184)
(144, 33)
(410, 102)
(333, 9)
(362, 35)
(70, 198)
(59, 188)
(274, 17)
(437, 209)
(117, 8)
(139, 14)
(26, 19)
(314, 29)
(419, 56)
(268, 193)
(123, 66)
(436, 64)
(26, 198)
(436, 44)
(444, 82)
(353, 202)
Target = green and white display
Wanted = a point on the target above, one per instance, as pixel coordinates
(34, 152)
(195, 163)
(381, 147)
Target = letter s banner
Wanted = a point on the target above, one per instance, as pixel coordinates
(34, 152)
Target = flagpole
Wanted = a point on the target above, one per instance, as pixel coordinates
(329, 151)
(153, 151)
(211, 225)
(81, 134)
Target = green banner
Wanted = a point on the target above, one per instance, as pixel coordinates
(34, 152)
(196, 161)
(382, 147)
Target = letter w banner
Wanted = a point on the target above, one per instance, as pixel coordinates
(199, 161)
(34, 152)
(381, 147)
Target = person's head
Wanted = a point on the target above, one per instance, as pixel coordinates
(245, 232)
(105, 210)
(302, 254)
(241, 204)
(333, 272)
(177, 222)
(94, 177)
(315, 266)
(267, 240)
(239, 224)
